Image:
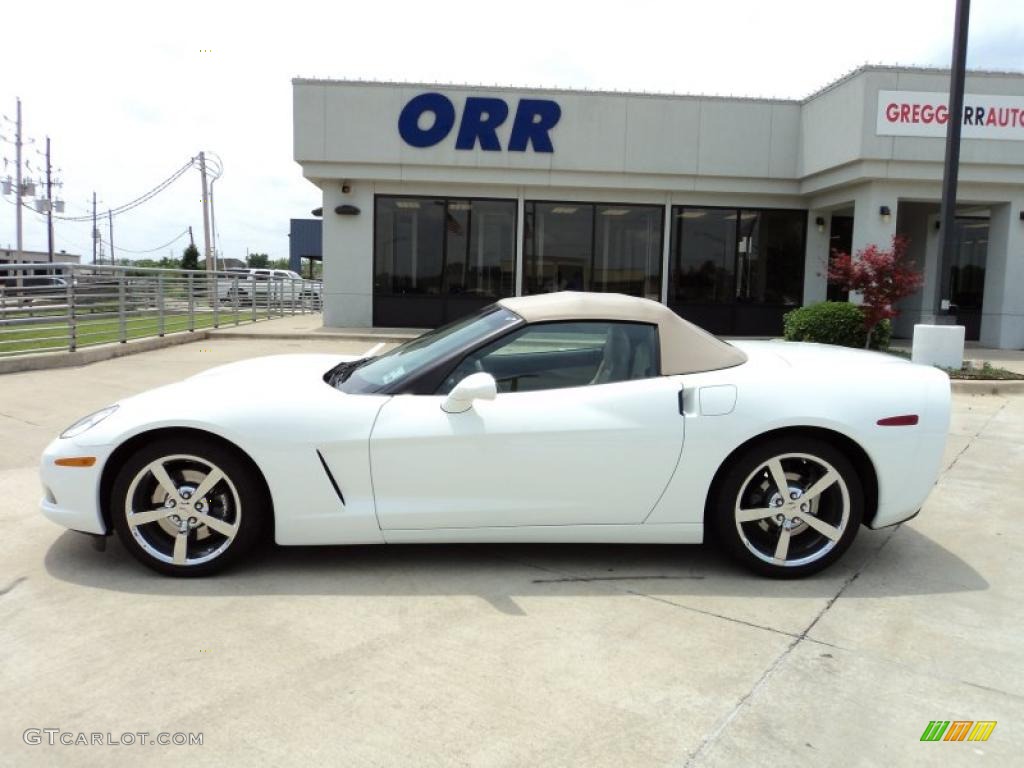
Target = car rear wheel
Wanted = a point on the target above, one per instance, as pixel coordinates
(188, 508)
(789, 507)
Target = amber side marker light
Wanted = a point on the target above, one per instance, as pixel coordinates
(76, 461)
(899, 421)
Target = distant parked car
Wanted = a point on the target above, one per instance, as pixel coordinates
(259, 283)
(31, 289)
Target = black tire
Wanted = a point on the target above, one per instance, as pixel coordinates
(748, 485)
(222, 526)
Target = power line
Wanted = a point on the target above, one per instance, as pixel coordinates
(85, 220)
(148, 250)
(139, 200)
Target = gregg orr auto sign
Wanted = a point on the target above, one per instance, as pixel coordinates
(917, 113)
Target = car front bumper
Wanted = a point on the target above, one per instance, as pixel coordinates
(71, 495)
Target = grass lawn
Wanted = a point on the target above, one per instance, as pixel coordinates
(984, 372)
(49, 338)
(970, 371)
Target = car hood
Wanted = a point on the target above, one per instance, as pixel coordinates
(246, 392)
(272, 370)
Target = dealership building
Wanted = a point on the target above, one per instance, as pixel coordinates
(439, 199)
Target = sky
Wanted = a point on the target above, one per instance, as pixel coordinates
(129, 92)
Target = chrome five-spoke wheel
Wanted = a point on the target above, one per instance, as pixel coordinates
(790, 506)
(187, 507)
(183, 509)
(792, 510)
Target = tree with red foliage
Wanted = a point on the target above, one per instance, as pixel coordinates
(882, 277)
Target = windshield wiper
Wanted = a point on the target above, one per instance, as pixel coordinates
(342, 371)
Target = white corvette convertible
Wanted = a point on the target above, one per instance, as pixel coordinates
(565, 417)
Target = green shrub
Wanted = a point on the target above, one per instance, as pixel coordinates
(833, 322)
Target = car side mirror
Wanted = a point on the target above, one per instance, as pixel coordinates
(476, 386)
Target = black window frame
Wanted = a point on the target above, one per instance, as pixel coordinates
(594, 205)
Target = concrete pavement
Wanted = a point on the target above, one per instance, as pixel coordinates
(511, 655)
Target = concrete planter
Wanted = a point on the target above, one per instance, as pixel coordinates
(941, 345)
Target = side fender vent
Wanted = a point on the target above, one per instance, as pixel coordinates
(334, 483)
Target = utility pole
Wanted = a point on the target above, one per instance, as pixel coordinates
(17, 162)
(49, 203)
(951, 168)
(95, 231)
(213, 223)
(191, 239)
(110, 218)
(206, 210)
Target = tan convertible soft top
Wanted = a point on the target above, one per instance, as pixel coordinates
(685, 348)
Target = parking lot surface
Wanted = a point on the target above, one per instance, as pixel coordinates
(510, 655)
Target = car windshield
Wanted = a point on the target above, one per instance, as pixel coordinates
(375, 373)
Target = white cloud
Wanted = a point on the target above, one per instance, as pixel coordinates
(128, 94)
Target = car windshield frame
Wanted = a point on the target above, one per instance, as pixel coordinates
(421, 359)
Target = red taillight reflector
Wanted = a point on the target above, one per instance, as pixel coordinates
(899, 421)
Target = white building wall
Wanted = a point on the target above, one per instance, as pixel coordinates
(1002, 318)
(821, 154)
(348, 257)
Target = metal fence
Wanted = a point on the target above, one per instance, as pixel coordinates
(53, 307)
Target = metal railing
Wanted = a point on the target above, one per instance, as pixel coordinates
(54, 307)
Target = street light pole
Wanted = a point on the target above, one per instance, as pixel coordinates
(951, 168)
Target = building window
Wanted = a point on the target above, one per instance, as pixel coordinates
(481, 252)
(770, 257)
(443, 247)
(840, 240)
(726, 255)
(593, 247)
(702, 255)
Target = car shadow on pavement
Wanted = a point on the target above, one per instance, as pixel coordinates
(887, 563)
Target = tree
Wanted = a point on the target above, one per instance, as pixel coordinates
(190, 259)
(162, 263)
(258, 260)
(882, 277)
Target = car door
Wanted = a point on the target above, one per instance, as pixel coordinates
(583, 431)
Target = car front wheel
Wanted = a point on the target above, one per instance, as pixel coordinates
(188, 508)
(789, 507)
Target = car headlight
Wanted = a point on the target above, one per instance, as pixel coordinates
(87, 423)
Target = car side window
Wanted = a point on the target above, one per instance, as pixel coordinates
(564, 354)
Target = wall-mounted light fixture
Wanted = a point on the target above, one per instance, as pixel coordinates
(820, 222)
(885, 213)
(346, 187)
(347, 210)
(317, 212)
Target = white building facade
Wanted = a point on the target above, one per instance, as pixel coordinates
(439, 199)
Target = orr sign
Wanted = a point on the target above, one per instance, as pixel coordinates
(918, 113)
(427, 120)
